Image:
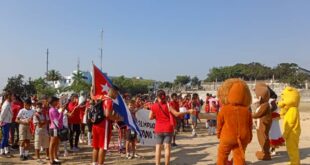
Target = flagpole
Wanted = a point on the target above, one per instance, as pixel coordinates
(93, 79)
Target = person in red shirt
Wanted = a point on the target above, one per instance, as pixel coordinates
(16, 105)
(207, 104)
(163, 127)
(102, 131)
(175, 105)
(212, 123)
(187, 105)
(74, 122)
(195, 104)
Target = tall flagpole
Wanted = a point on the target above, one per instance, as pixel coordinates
(47, 62)
(93, 79)
(101, 49)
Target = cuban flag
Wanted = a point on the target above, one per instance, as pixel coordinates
(101, 86)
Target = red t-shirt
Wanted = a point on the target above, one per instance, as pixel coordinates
(82, 111)
(162, 124)
(16, 106)
(207, 107)
(187, 104)
(175, 105)
(75, 116)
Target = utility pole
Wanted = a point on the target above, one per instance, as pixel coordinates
(78, 65)
(47, 62)
(101, 49)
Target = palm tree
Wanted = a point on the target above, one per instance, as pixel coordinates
(79, 84)
(53, 75)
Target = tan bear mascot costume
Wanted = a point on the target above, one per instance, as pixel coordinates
(234, 121)
(263, 114)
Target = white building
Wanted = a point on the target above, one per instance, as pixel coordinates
(68, 80)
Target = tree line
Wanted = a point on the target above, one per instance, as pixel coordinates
(285, 72)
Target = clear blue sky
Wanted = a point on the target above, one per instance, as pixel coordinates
(153, 39)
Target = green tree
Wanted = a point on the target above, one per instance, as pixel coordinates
(79, 84)
(195, 82)
(251, 71)
(166, 85)
(42, 88)
(53, 75)
(17, 85)
(182, 80)
(131, 85)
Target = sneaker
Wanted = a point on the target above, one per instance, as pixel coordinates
(137, 156)
(8, 155)
(75, 149)
(24, 158)
(57, 161)
(174, 145)
(273, 153)
(40, 161)
(66, 154)
(128, 156)
(194, 134)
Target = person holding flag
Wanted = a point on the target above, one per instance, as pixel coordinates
(113, 107)
(102, 131)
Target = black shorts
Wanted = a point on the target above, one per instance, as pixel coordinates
(131, 135)
(163, 138)
(53, 132)
(121, 125)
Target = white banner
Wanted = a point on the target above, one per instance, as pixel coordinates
(147, 127)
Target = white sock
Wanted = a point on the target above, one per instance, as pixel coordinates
(89, 138)
(6, 150)
(65, 146)
(26, 152)
(1, 151)
(21, 151)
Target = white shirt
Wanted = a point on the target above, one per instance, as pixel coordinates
(65, 118)
(25, 115)
(6, 114)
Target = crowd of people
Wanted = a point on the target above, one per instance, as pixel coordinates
(66, 122)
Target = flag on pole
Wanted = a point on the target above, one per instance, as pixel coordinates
(101, 86)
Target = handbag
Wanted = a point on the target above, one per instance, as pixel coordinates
(63, 133)
(173, 122)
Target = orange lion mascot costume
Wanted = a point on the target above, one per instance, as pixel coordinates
(234, 121)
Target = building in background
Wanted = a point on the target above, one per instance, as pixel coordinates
(68, 80)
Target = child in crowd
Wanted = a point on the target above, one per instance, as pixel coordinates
(41, 137)
(63, 108)
(131, 135)
(24, 118)
(212, 123)
(183, 109)
(89, 104)
(195, 105)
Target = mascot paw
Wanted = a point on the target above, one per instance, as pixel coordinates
(263, 156)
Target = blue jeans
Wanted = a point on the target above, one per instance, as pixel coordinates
(5, 129)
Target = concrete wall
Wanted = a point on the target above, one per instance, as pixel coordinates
(277, 87)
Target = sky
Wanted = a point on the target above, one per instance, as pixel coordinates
(152, 39)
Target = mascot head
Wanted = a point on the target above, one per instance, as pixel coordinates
(234, 92)
(262, 92)
(289, 98)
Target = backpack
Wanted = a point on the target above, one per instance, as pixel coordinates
(96, 113)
